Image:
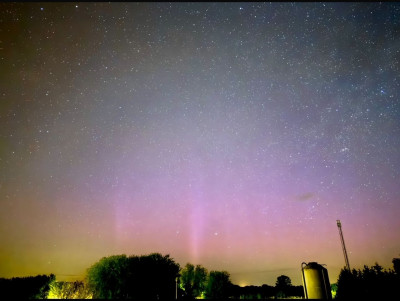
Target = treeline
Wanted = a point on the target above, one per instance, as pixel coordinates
(371, 282)
(266, 292)
(158, 277)
(148, 277)
(33, 287)
(196, 282)
(154, 277)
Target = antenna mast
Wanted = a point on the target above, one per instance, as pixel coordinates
(346, 259)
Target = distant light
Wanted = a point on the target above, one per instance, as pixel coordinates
(41, 8)
(76, 6)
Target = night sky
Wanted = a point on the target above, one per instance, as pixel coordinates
(231, 135)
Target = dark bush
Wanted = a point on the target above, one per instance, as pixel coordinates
(372, 282)
(136, 277)
(32, 287)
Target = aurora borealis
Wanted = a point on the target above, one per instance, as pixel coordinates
(231, 135)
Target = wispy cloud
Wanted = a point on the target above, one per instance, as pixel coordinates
(305, 197)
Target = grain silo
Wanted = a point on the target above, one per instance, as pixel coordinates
(315, 281)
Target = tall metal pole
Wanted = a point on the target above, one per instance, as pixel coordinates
(346, 259)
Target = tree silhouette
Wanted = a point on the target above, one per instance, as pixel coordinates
(372, 282)
(283, 285)
(193, 280)
(283, 281)
(396, 265)
(33, 287)
(218, 285)
(107, 277)
(135, 277)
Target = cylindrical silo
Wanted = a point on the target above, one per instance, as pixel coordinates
(315, 281)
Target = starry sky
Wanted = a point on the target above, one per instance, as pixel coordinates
(231, 135)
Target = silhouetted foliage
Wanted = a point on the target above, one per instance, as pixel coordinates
(267, 291)
(374, 282)
(218, 285)
(107, 278)
(136, 277)
(193, 280)
(284, 288)
(264, 292)
(283, 281)
(252, 292)
(33, 287)
(396, 266)
(282, 285)
(69, 290)
(154, 275)
(333, 290)
(295, 291)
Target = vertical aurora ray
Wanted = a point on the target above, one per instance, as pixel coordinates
(198, 213)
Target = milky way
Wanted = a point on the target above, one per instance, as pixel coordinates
(231, 135)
